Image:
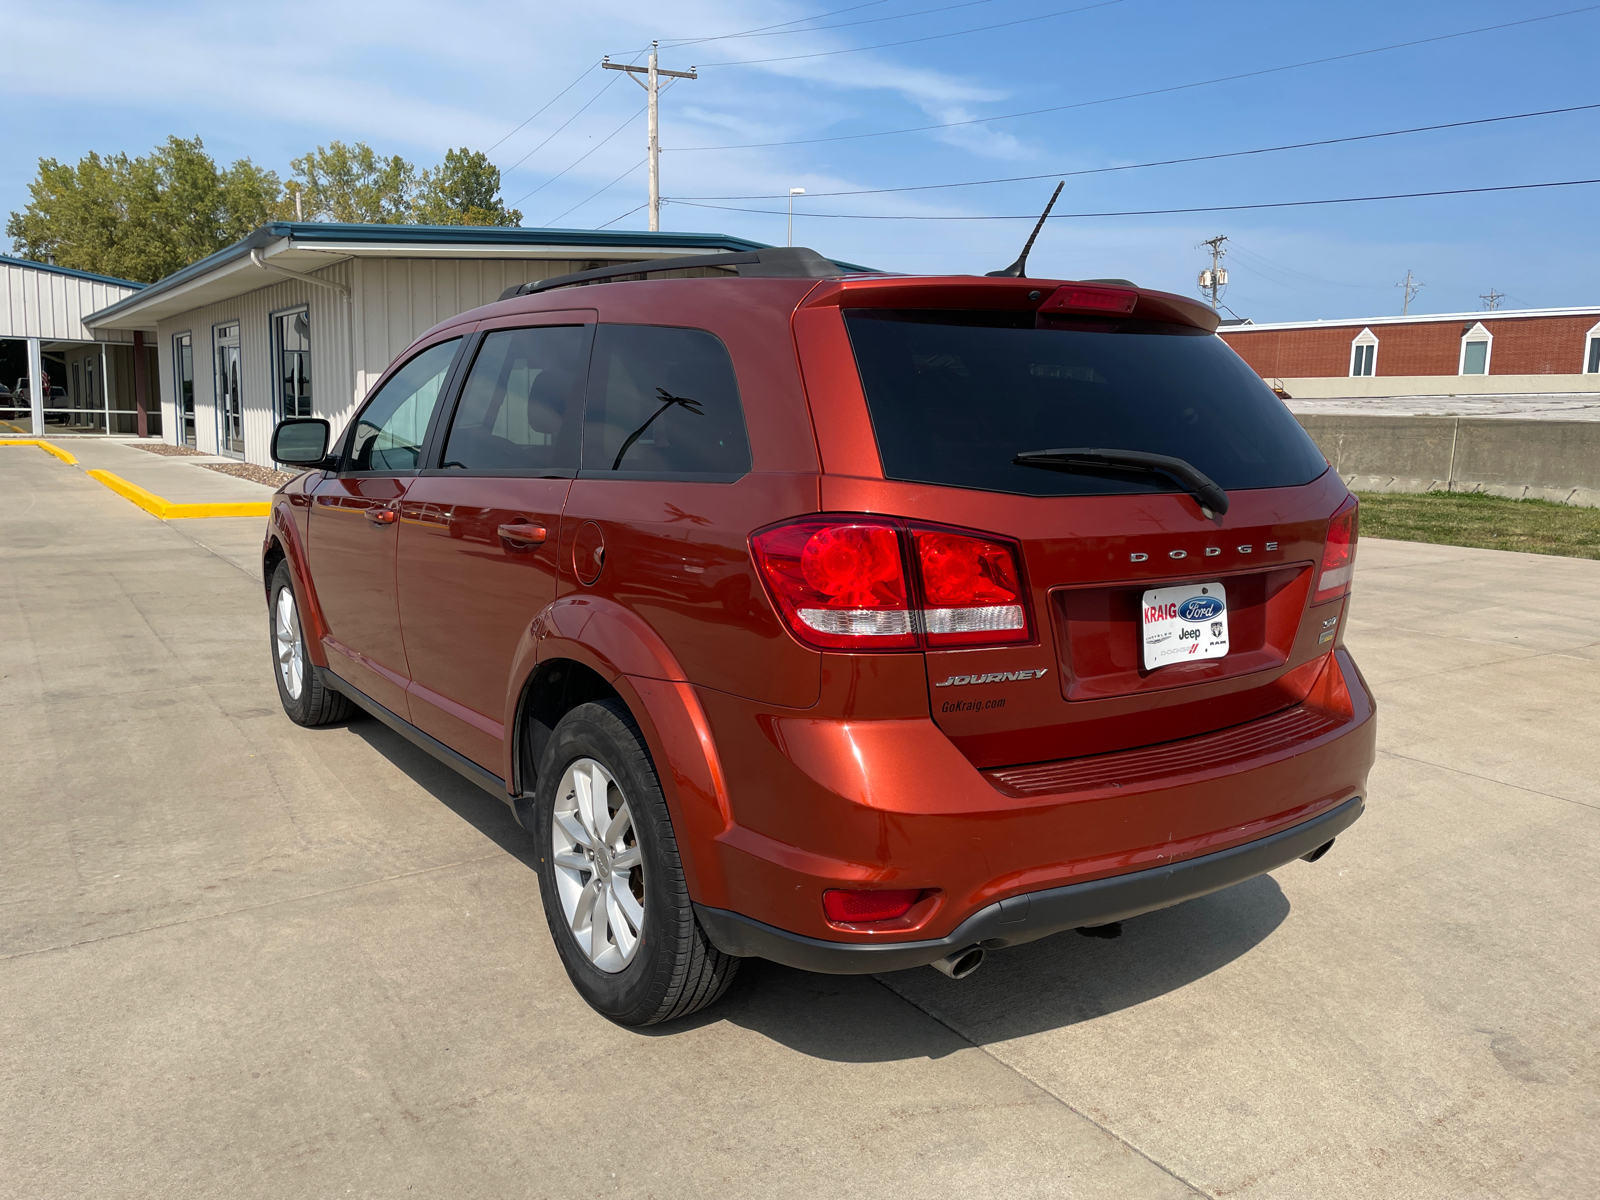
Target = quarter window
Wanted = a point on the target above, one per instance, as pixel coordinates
(391, 427)
(519, 408)
(291, 336)
(665, 401)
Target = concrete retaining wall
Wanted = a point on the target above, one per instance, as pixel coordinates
(1532, 460)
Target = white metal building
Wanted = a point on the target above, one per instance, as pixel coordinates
(302, 318)
(88, 380)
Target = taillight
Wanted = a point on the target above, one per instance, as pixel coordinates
(1338, 553)
(841, 584)
(863, 907)
(971, 590)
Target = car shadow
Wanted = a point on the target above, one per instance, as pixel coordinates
(1049, 984)
(489, 815)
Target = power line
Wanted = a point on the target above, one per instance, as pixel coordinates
(564, 124)
(1155, 212)
(623, 217)
(1169, 162)
(674, 42)
(551, 101)
(581, 157)
(594, 195)
(1180, 87)
(775, 31)
(932, 37)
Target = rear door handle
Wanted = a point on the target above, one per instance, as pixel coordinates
(382, 516)
(520, 537)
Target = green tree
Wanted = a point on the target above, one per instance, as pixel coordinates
(340, 182)
(462, 190)
(142, 218)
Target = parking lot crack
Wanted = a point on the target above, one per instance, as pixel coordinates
(1054, 1095)
(1487, 779)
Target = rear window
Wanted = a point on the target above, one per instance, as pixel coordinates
(954, 396)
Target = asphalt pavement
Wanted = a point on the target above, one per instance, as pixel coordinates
(239, 958)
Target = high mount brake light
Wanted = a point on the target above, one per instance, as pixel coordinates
(1076, 297)
(841, 584)
(1338, 552)
(864, 907)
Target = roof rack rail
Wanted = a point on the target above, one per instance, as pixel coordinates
(775, 262)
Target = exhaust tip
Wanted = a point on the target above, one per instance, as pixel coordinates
(960, 964)
(1319, 851)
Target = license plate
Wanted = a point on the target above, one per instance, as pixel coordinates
(1184, 624)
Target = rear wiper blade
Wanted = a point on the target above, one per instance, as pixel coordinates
(1213, 500)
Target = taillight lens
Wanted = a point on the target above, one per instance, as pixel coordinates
(1077, 297)
(1338, 553)
(841, 584)
(971, 589)
(864, 907)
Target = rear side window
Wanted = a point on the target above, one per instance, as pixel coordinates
(954, 396)
(389, 433)
(519, 408)
(664, 401)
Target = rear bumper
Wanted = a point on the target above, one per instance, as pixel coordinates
(1034, 915)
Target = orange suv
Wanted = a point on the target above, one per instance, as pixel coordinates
(856, 622)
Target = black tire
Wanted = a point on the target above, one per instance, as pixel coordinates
(316, 704)
(675, 969)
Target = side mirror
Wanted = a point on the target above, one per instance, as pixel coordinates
(301, 442)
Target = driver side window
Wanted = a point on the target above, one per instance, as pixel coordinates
(391, 427)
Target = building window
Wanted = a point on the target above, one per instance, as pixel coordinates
(1364, 354)
(291, 341)
(183, 387)
(1591, 352)
(1476, 343)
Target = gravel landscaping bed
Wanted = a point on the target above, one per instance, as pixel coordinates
(168, 450)
(255, 474)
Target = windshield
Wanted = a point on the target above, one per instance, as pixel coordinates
(954, 396)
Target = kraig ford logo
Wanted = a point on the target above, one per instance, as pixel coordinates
(1199, 608)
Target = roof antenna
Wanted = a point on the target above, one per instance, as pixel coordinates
(1015, 270)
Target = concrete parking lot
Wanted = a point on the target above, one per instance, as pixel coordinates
(239, 958)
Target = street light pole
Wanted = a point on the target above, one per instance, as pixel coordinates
(793, 192)
(653, 72)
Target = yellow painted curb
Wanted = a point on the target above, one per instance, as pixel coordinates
(45, 446)
(168, 511)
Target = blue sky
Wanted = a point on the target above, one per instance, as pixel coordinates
(415, 79)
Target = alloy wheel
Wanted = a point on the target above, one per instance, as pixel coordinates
(287, 641)
(599, 870)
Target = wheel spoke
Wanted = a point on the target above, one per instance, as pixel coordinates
(572, 826)
(572, 861)
(624, 861)
(599, 921)
(618, 825)
(599, 800)
(285, 652)
(583, 909)
(629, 907)
(625, 934)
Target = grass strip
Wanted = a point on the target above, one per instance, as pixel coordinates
(1488, 522)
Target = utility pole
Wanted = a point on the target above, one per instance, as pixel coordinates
(1411, 290)
(1491, 300)
(793, 192)
(653, 72)
(1215, 278)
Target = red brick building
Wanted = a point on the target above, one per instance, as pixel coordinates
(1532, 350)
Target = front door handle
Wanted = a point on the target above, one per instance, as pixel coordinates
(382, 516)
(520, 537)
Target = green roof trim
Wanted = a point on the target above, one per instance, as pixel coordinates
(52, 269)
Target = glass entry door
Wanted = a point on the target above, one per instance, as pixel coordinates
(230, 402)
(183, 353)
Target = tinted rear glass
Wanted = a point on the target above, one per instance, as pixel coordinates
(955, 395)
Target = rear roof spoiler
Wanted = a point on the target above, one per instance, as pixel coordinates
(776, 262)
